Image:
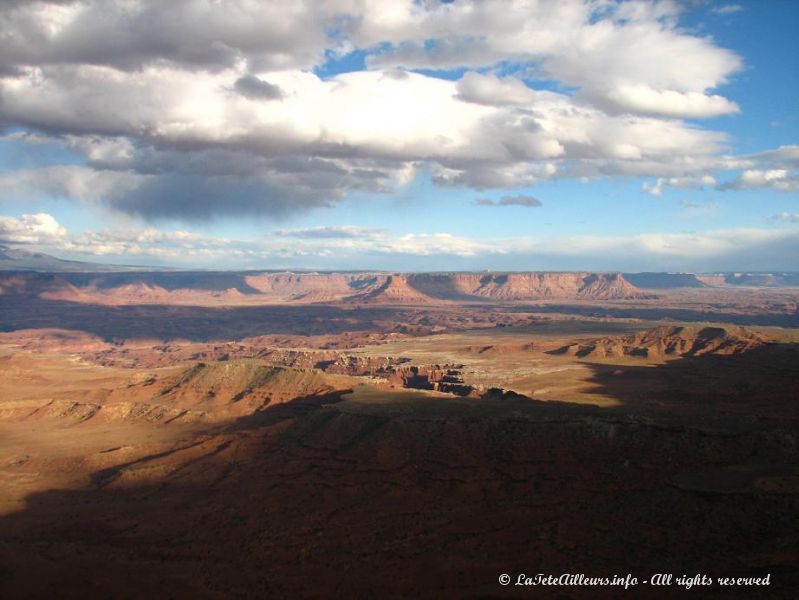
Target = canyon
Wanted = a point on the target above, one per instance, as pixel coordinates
(226, 434)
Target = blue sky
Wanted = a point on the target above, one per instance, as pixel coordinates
(653, 135)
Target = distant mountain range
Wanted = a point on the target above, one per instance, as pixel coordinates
(15, 259)
(659, 281)
(383, 286)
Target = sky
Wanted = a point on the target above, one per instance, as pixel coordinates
(415, 135)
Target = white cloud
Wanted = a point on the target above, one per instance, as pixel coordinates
(494, 91)
(781, 180)
(331, 231)
(171, 245)
(426, 244)
(606, 49)
(363, 130)
(366, 113)
(39, 228)
(726, 250)
(192, 34)
(194, 109)
(656, 189)
(645, 100)
(347, 247)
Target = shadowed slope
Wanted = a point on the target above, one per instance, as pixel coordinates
(399, 496)
(669, 341)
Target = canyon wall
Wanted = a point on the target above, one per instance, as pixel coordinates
(267, 287)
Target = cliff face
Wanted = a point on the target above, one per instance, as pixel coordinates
(265, 288)
(313, 287)
(525, 286)
(393, 289)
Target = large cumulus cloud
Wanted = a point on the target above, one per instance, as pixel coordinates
(197, 108)
(190, 34)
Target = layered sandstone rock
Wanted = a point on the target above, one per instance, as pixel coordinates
(187, 288)
(525, 286)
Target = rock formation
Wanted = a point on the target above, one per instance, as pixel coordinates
(669, 341)
(189, 288)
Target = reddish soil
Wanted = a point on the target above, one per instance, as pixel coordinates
(262, 445)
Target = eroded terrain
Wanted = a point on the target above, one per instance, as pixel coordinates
(396, 449)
